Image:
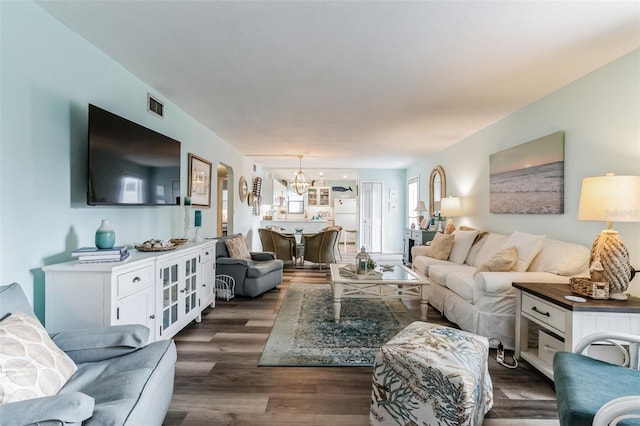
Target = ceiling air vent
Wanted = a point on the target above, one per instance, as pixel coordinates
(154, 106)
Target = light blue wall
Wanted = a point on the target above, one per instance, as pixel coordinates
(49, 75)
(393, 221)
(600, 115)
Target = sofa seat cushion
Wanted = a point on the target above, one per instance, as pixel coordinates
(263, 267)
(117, 383)
(423, 263)
(438, 273)
(461, 283)
(579, 374)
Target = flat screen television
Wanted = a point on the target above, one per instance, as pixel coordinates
(130, 164)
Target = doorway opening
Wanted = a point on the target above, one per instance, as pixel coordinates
(225, 200)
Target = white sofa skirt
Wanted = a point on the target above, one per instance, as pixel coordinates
(499, 323)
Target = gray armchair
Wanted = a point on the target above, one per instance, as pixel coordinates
(253, 276)
(320, 247)
(120, 379)
(283, 245)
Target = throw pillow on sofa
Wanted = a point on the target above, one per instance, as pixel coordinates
(528, 246)
(461, 245)
(441, 246)
(237, 247)
(33, 366)
(502, 261)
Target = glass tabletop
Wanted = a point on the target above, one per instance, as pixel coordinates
(395, 274)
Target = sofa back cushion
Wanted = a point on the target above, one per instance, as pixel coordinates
(475, 248)
(461, 245)
(492, 244)
(528, 245)
(33, 366)
(561, 258)
(13, 299)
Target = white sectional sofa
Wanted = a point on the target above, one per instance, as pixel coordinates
(481, 301)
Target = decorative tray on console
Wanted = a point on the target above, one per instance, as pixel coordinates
(156, 245)
(143, 248)
(348, 271)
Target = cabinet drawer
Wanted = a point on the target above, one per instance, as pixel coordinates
(132, 281)
(417, 236)
(207, 254)
(544, 312)
(548, 345)
(407, 233)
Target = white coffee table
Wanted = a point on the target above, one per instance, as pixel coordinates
(400, 283)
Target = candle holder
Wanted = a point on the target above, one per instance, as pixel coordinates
(198, 236)
(187, 222)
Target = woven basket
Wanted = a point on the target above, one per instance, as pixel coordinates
(586, 287)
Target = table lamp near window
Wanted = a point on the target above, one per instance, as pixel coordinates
(610, 199)
(450, 207)
(420, 208)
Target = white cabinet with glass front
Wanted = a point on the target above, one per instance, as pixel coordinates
(318, 197)
(161, 290)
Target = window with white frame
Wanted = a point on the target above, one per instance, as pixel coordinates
(295, 202)
(413, 193)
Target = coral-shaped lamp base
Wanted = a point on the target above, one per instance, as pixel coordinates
(610, 263)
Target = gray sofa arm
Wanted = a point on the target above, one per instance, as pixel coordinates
(262, 255)
(98, 344)
(233, 261)
(66, 408)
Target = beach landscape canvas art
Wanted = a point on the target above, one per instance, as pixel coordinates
(528, 178)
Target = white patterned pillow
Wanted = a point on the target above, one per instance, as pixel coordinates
(31, 365)
(237, 248)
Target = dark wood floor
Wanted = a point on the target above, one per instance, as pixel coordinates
(218, 381)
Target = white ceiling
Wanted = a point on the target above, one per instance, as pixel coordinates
(353, 84)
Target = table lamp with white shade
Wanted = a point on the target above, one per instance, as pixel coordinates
(420, 208)
(610, 199)
(450, 207)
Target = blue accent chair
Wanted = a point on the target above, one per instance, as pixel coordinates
(593, 392)
(121, 380)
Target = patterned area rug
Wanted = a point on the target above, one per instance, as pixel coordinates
(305, 334)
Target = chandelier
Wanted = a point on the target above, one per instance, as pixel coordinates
(300, 182)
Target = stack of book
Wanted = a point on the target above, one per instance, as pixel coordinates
(96, 255)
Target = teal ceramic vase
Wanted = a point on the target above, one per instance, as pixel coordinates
(105, 235)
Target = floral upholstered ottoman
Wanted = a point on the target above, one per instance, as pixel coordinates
(431, 375)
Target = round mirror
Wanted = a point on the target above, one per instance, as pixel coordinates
(437, 189)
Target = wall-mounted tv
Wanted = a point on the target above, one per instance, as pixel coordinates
(130, 164)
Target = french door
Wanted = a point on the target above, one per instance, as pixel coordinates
(371, 216)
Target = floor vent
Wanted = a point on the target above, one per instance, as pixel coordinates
(154, 106)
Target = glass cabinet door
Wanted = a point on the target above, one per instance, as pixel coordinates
(190, 286)
(170, 284)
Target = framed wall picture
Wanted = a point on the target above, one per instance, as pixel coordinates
(199, 183)
(528, 178)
